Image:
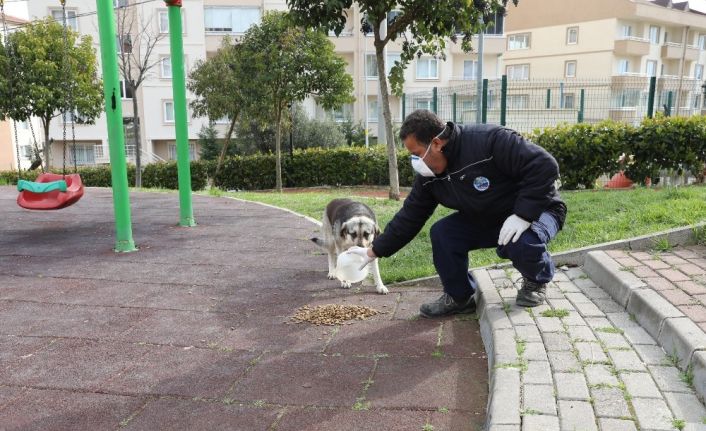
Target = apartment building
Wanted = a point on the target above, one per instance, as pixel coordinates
(619, 42)
(8, 145)
(206, 22)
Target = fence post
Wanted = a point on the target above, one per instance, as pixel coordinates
(668, 108)
(549, 98)
(503, 99)
(484, 102)
(404, 106)
(453, 109)
(434, 100)
(581, 99)
(561, 95)
(651, 97)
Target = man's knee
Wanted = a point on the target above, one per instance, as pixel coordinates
(437, 232)
(529, 247)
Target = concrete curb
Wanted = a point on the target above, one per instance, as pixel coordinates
(676, 334)
(498, 334)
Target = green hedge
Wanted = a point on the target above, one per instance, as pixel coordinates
(584, 153)
(345, 166)
(587, 151)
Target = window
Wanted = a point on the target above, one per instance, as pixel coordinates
(517, 72)
(423, 104)
(373, 110)
(123, 44)
(518, 101)
(702, 42)
(230, 19)
(343, 114)
(26, 152)
(172, 149)
(371, 66)
(165, 67)
(568, 100)
(496, 24)
(651, 67)
(626, 31)
(470, 69)
(570, 69)
(163, 18)
(696, 101)
(120, 3)
(518, 41)
(125, 90)
(654, 34)
(572, 35)
(628, 98)
(222, 120)
(623, 66)
(392, 16)
(66, 117)
(699, 71)
(84, 154)
(71, 20)
(168, 112)
(427, 68)
(391, 59)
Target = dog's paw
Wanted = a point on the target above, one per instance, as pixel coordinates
(381, 289)
(331, 276)
(346, 284)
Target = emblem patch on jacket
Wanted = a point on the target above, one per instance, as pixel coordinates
(481, 184)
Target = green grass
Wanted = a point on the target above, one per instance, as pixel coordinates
(558, 312)
(594, 217)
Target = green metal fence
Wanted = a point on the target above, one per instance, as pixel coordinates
(526, 105)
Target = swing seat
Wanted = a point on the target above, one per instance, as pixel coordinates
(50, 192)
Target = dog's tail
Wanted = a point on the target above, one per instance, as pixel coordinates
(320, 242)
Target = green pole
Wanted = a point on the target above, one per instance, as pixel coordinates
(453, 100)
(484, 102)
(434, 100)
(114, 118)
(503, 100)
(186, 212)
(549, 98)
(581, 100)
(668, 111)
(651, 97)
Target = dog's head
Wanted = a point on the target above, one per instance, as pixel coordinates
(359, 230)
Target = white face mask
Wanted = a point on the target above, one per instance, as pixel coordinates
(418, 162)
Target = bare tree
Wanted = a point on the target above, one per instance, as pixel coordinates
(137, 38)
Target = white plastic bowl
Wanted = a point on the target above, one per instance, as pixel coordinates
(347, 266)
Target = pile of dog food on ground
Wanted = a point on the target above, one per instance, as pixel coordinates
(333, 314)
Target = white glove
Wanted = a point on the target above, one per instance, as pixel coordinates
(363, 252)
(512, 229)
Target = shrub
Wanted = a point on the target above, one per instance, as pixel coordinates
(585, 151)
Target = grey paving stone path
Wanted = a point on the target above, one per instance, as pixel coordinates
(193, 332)
(579, 362)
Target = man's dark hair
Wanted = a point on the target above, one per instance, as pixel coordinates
(423, 124)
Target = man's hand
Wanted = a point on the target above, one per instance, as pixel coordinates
(512, 229)
(366, 253)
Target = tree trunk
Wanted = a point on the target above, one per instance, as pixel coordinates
(391, 150)
(224, 150)
(136, 132)
(278, 151)
(47, 147)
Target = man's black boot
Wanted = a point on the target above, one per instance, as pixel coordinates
(532, 294)
(446, 306)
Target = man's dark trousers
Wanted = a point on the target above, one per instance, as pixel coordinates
(454, 236)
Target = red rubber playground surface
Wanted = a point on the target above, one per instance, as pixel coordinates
(194, 332)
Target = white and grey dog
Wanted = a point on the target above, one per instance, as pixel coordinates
(347, 223)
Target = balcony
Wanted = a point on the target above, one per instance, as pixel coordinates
(632, 46)
(492, 44)
(345, 42)
(672, 51)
